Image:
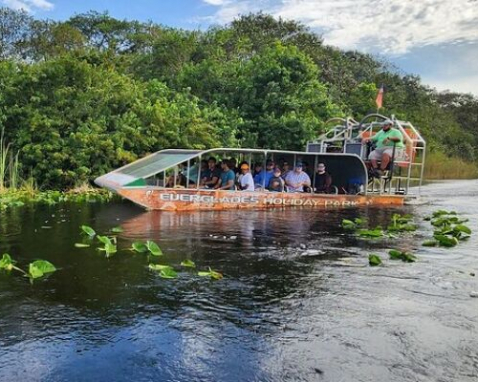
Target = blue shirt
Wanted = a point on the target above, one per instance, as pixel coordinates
(259, 178)
(226, 176)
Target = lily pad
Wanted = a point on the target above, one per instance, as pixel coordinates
(40, 268)
(88, 230)
(117, 230)
(153, 248)
(104, 239)
(159, 267)
(212, 274)
(430, 243)
(395, 255)
(168, 273)
(462, 228)
(371, 233)
(6, 262)
(359, 222)
(446, 241)
(188, 263)
(374, 260)
(348, 224)
(139, 247)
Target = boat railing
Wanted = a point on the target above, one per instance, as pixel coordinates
(347, 136)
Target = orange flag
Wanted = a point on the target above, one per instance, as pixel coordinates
(379, 98)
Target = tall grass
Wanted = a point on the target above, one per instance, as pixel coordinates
(4, 148)
(440, 166)
(9, 166)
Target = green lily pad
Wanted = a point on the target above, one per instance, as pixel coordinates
(139, 247)
(40, 268)
(188, 263)
(395, 255)
(117, 230)
(159, 267)
(168, 273)
(348, 224)
(374, 260)
(88, 230)
(6, 263)
(430, 243)
(212, 274)
(446, 241)
(371, 233)
(104, 239)
(153, 248)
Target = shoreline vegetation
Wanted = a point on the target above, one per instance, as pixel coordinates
(439, 166)
(81, 97)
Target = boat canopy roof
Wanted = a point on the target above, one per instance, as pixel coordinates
(163, 160)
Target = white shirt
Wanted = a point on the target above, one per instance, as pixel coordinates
(247, 182)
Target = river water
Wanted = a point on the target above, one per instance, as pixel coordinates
(298, 302)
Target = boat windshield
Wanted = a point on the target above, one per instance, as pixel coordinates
(145, 168)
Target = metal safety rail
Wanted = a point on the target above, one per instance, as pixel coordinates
(346, 135)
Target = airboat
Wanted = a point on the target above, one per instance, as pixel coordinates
(151, 181)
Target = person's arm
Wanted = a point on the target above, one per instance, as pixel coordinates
(289, 183)
(396, 136)
(306, 181)
(218, 184)
(228, 186)
(328, 181)
(229, 181)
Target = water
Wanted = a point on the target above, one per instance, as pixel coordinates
(298, 301)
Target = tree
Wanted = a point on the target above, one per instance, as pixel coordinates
(14, 32)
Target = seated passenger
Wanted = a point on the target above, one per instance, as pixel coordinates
(177, 181)
(210, 177)
(323, 180)
(227, 177)
(261, 180)
(297, 180)
(306, 168)
(233, 163)
(245, 181)
(385, 139)
(285, 169)
(276, 184)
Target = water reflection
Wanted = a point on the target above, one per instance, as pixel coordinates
(298, 300)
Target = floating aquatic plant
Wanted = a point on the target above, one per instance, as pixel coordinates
(353, 224)
(401, 223)
(8, 264)
(165, 271)
(117, 230)
(374, 260)
(212, 274)
(153, 248)
(40, 268)
(188, 263)
(139, 247)
(81, 245)
(158, 267)
(400, 255)
(371, 233)
(430, 243)
(88, 230)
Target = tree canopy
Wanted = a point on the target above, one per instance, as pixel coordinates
(83, 96)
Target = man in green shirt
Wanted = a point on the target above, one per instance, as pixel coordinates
(385, 139)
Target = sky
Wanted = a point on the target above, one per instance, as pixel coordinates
(436, 39)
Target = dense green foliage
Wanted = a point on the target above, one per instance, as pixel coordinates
(81, 97)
